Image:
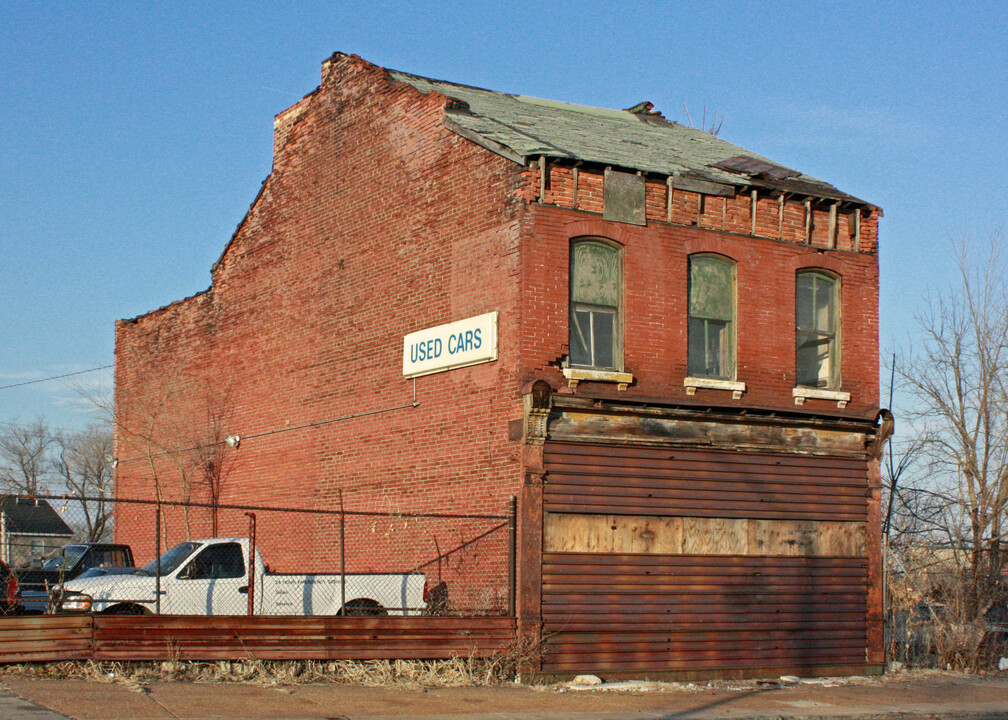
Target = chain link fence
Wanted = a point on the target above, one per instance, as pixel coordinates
(174, 558)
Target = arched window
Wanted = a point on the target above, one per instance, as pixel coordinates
(711, 317)
(817, 323)
(596, 298)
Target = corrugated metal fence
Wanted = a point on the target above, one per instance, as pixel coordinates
(97, 637)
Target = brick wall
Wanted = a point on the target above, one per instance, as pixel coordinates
(374, 222)
(774, 219)
(655, 302)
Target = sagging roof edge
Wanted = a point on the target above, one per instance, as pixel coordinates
(691, 182)
(795, 184)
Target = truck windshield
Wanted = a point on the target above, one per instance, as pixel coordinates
(170, 560)
(67, 558)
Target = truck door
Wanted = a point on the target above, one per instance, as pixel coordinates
(212, 583)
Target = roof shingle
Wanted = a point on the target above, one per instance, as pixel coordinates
(524, 128)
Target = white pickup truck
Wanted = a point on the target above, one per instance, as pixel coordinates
(211, 577)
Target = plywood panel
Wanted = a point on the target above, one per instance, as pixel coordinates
(715, 536)
(643, 534)
(806, 538)
(612, 534)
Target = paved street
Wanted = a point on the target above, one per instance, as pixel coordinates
(906, 696)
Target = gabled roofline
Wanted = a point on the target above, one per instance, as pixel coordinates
(262, 188)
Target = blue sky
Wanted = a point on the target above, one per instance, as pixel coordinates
(135, 135)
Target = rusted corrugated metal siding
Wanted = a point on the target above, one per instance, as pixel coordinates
(45, 637)
(719, 610)
(702, 483)
(663, 612)
(113, 637)
(298, 638)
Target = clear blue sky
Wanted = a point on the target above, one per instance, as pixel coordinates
(135, 135)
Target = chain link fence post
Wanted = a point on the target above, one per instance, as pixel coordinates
(157, 557)
(512, 552)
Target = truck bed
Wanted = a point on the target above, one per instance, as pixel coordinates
(321, 593)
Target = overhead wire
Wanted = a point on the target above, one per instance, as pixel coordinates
(235, 440)
(54, 377)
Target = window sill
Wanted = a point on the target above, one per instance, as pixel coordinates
(576, 375)
(800, 394)
(692, 383)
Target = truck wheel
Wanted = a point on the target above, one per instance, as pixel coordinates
(363, 608)
(126, 609)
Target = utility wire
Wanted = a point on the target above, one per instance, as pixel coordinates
(234, 440)
(54, 377)
(22, 425)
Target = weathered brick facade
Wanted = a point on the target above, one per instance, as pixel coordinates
(378, 220)
(655, 278)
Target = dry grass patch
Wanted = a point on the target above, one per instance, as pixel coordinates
(453, 672)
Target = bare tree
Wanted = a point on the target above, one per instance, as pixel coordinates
(898, 461)
(84, 463)
(24, 457)
(178, 430)
(215, 458)
(958, 376)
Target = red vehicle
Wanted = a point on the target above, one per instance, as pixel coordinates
(10, 593)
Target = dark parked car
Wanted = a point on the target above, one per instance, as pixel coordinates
(72, 561)
(109, 570)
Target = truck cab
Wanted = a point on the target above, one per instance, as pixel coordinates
(71, 562)
(211, 580)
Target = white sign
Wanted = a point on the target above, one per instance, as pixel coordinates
(446, 347)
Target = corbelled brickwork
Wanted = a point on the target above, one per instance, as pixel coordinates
(786, 219)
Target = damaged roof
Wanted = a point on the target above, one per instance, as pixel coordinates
(525, 128)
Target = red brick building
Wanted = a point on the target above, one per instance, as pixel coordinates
(682, 392)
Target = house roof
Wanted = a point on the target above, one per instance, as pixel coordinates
(525, 128)
(32, 516)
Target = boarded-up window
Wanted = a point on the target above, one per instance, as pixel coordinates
(596, 279)
(816, 323)
(711, 317)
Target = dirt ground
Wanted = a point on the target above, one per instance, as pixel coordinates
(903, 695)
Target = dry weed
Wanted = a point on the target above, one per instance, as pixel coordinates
(453, 672)
(927, 624)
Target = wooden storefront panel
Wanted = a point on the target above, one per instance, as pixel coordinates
(580, 532)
